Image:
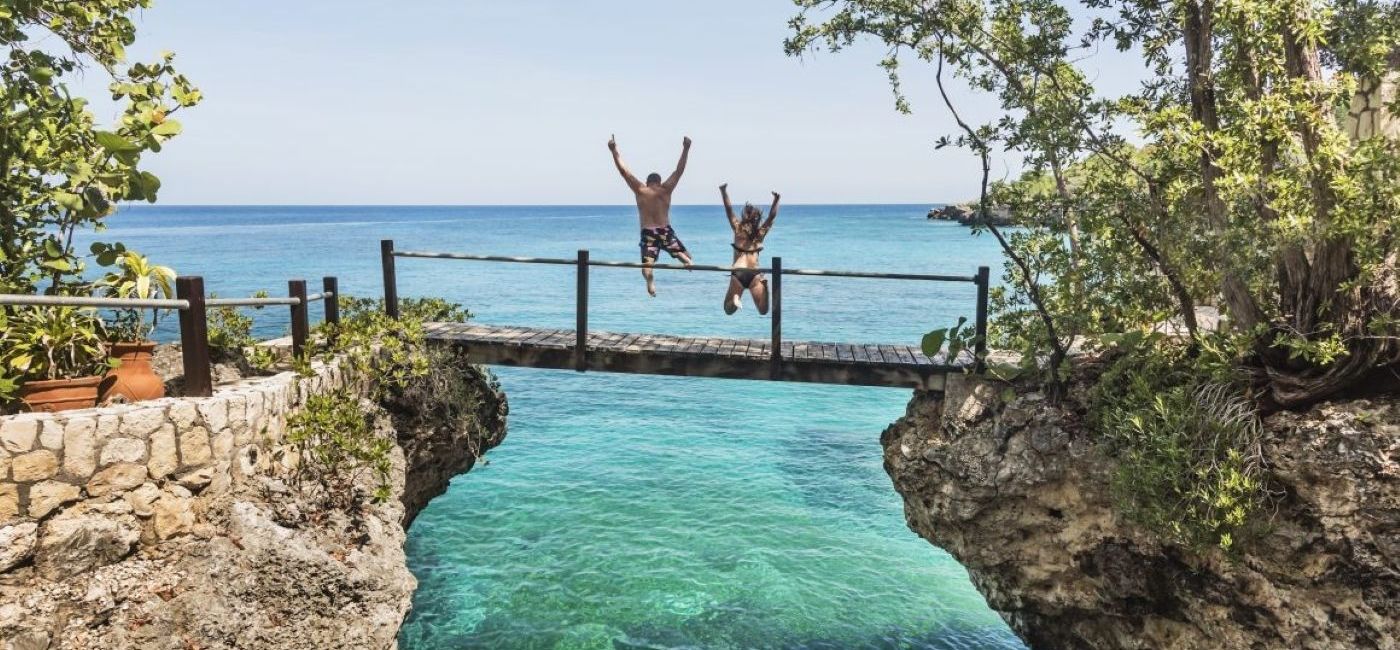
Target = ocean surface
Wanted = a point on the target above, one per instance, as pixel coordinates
(631, 512)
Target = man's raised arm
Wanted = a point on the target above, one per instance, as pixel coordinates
(675, 178)
(627, 175)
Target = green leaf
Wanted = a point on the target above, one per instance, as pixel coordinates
(149, 185)
(167, 129)
(115, 143)
(68, 200)
(933, 342)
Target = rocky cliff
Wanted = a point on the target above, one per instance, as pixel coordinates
(1017, 490)
(244, 556)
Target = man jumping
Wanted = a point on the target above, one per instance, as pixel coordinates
(654, 208)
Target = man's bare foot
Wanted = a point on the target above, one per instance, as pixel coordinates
(651, 287)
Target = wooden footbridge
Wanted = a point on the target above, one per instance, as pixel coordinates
(857, 364)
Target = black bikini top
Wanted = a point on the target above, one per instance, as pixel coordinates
(747, 250)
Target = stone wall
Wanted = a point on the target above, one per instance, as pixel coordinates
(186, 523)
(151, 455)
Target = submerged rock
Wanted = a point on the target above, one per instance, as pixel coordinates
(1018, 492)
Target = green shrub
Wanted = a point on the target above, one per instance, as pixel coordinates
(1189, 466)
(43, 343)
(388, 352)
(390, 358)
(231, 331)
(337, 441)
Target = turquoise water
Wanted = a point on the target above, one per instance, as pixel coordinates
(648, 512)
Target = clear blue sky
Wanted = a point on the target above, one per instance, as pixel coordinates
(512, 102)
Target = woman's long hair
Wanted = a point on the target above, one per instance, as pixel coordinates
(749, 222)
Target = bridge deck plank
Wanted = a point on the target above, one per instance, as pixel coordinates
(808, 361)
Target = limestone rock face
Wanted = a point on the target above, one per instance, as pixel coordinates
(1018, 492)
(17, 543)
(74, 542)
(245, 558)
(433, 442)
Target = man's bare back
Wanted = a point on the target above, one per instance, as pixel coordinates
(654, 205)
(654, 211)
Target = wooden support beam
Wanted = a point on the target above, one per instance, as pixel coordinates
(330, 287)
(194, 337)
(301, 323)
(984, 278)
(581, 315)
(776, 310)
(391, 282)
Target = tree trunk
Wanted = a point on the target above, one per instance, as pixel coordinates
(1317, 293)
(1197, 32)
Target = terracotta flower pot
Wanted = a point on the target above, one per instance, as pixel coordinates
(60, 394)
(133, 380)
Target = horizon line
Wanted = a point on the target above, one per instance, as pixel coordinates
(480, 205)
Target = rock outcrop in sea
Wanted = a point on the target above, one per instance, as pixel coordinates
(229, 549)
(969, 215)
(1017, 489)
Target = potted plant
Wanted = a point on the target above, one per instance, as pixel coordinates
(58, 355)
(134, 277)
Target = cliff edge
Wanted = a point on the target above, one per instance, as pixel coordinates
(1018, 491)
(234, 551)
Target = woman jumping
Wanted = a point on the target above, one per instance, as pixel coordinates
(748, 243)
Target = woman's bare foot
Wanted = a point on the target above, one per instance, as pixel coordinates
(651, 286)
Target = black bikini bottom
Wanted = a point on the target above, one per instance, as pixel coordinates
(746, 278)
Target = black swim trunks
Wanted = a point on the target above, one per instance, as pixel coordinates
(655, 239)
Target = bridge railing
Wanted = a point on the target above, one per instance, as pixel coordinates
(192, 305)
(583, 262)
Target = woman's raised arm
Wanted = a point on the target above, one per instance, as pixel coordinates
(772, 214)
(728, 207)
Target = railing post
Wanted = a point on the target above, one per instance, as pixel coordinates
(300, 322)
(581, 315)
(194, 337)
(330, 287)
(984, 276)
(391, 283)
(776, 304)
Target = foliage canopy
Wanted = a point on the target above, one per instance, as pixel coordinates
(59, 169)
(1257, 168)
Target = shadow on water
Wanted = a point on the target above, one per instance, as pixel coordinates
(831, 471)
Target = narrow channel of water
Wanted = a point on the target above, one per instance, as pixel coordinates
(648, 512)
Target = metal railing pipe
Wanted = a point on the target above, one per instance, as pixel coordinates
(250, 302)
(89, 301)
(484, 258)
(681, 267)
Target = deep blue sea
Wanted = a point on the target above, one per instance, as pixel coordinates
(629, 512)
